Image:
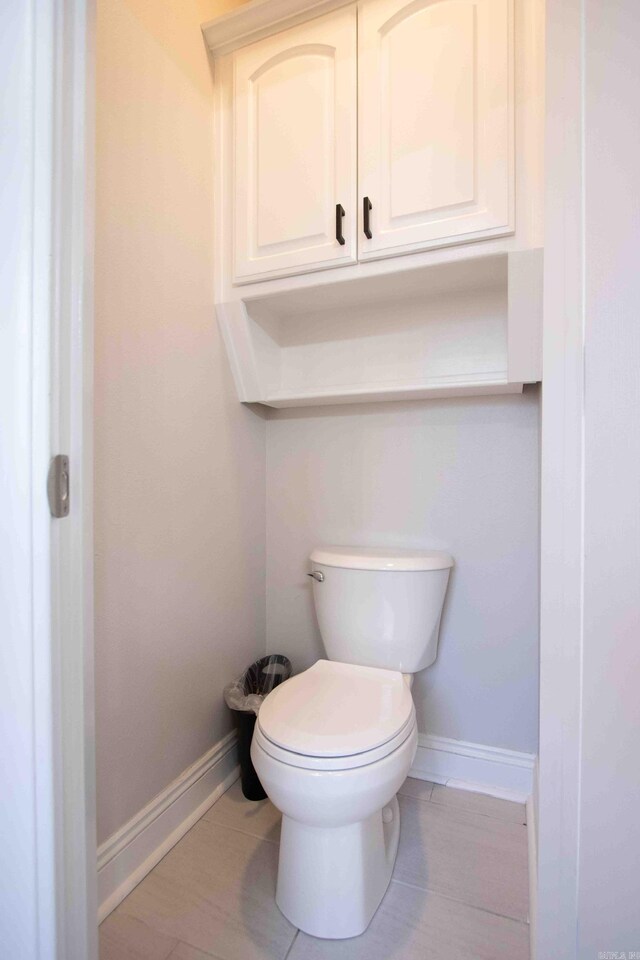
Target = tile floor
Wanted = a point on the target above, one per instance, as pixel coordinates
(459, 889)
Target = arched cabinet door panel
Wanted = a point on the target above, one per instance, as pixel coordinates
(435, 87)
(294, 164)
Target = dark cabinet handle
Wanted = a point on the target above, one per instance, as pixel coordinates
(366, 207)
(339, 216)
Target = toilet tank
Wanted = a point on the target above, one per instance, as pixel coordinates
(380, 607)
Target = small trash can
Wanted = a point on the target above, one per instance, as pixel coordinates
(244, 697)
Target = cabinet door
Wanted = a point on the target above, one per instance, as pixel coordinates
(436, 122)
(295, 130)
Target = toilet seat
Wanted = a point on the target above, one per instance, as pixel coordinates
(348, 762)
(336, 716)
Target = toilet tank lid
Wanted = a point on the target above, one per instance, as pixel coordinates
(381, 558)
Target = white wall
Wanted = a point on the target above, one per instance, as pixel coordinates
(179, 466)
(609, 880)
(589, 836)
(460, 475)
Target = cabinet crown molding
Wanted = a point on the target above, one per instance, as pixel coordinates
(261, 18)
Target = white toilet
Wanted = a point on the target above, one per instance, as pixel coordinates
(332, 745)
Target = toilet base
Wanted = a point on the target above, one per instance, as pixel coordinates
(331, 880)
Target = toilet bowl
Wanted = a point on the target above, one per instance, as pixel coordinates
(333, 744)
(336, 790)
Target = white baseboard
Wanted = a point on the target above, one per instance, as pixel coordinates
(472, 766)
(128, 856)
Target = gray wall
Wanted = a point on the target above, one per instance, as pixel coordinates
(461, 475)
(179, 463)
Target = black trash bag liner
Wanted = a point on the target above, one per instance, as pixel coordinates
(249, 690)
(244, 697)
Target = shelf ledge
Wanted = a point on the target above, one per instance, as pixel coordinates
(479, 389)
(464, 329)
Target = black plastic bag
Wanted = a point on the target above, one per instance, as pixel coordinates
(244, 697)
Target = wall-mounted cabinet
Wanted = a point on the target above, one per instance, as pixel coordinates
(465, 328)
(295, 138)
(417, 153)
(435, 104)
(420, 119)
(378, 197)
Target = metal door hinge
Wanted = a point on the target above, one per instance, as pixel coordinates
(58, 486)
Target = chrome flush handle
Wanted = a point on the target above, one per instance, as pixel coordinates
(317, 575)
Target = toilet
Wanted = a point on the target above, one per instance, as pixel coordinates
(333, 744)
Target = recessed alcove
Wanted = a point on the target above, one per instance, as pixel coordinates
(464, 327)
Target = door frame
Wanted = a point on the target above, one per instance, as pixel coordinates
(554, 928)
(46, 586)
(46, 361)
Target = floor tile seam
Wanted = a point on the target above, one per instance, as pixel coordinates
(466, 903)
(245, 833)
(475, 813)
(412, 797)
(196, 946)
(290, 947)
(185, 943)
(426, 784)
(173, 948)
(189, 943)
(134, 916)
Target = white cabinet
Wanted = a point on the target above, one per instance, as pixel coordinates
(418, 152)
(431, 109)
(435, 82)
(294, 157)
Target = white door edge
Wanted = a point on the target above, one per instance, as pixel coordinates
(46, 687)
